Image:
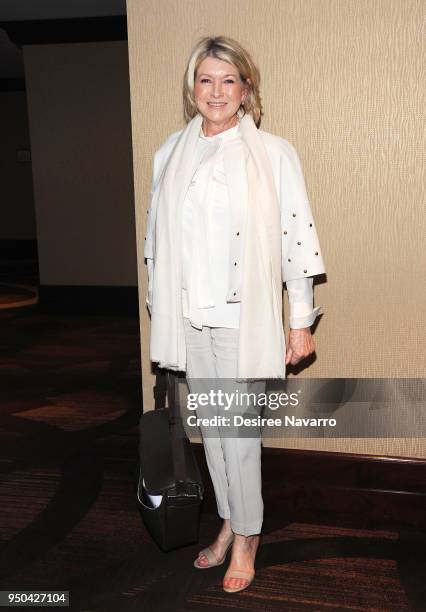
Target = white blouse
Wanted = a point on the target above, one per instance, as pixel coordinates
(206, 214)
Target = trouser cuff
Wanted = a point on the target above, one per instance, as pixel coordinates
(247, 530)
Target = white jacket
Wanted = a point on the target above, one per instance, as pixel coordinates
(301, 253)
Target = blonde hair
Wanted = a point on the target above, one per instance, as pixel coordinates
(228, 50)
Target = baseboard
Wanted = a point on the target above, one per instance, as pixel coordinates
(93, 300)
(322, 487)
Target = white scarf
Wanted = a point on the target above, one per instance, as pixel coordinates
(261, 348)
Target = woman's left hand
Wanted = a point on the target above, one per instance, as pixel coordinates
(300, 345)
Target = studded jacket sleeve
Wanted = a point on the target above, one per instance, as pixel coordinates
(301, 253)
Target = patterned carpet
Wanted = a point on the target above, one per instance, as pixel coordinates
(69, 409)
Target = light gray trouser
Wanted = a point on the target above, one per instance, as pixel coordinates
(234, 462)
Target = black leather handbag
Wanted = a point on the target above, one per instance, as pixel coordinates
(170, 489)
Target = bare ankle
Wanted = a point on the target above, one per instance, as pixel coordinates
(244, 541)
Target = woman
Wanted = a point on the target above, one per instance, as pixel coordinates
(229, 222)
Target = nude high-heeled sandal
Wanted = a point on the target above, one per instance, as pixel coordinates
(247, 575)
(211, 557)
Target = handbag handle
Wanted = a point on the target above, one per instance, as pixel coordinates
(160, 390)
(177, 433)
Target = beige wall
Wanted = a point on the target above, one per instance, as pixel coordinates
(79, 113)
(343, 80)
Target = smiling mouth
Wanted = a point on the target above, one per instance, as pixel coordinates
(216, 103)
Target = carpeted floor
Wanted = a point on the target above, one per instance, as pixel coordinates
(69, 408)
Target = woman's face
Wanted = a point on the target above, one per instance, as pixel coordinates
(218, 90)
